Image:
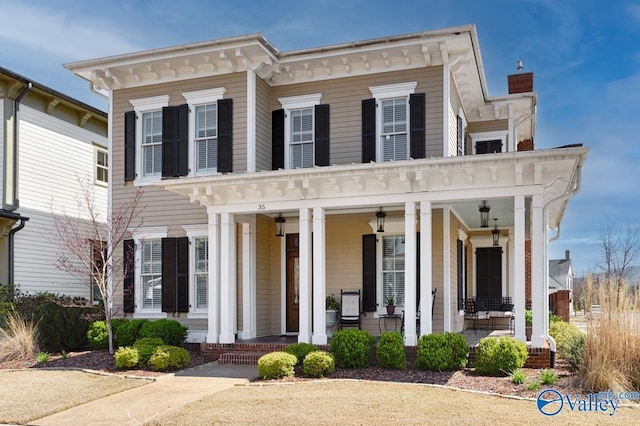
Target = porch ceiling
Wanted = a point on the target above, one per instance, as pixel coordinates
(464, 181)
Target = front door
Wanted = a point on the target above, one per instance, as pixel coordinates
(293, 283)
(489, 272)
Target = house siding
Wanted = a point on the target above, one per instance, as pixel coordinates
(265, 286)
(345, 95)
(457, 320)
(52, 150)
(263, 125)
(487, 126)
(3, 140)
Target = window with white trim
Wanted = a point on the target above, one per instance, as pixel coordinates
(149, 136)
(200, 272)
(151, 274)
(101, 165)
(299, 130)
(203, 128)
(392, 269)
(392, 120)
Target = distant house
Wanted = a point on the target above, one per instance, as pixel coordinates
(561, 276)
(273, 179)
(47, 142)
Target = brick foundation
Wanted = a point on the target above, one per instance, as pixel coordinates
(538, 357)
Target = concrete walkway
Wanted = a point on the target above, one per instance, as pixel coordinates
(144, 403)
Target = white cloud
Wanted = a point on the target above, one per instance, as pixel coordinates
(57, 33)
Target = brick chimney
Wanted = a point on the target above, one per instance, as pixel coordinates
(567, 255)
(520, 83)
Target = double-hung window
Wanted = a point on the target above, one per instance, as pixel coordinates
(392, 269)
(151, 274)
(198, 269)
(394, 137)
(299, 130)
(148, 137)
(203, 126)
(101, 165)
(393, 123)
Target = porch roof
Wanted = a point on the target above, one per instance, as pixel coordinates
(551, 172)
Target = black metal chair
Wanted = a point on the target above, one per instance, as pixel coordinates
(350, 314)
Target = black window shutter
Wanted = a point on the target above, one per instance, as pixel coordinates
(369, 272)
(417, 125)
(417, 270)
(368, 130)
(277, 139)
(322, 135)
(128, 284)
(169, 124)
(182, 141)
(225, 135)
(481, 147)
(182, 274)
(129, 146)
(169, 267)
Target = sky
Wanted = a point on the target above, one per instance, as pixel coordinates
(585, 56)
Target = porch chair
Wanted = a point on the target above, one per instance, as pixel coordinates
(349, 309)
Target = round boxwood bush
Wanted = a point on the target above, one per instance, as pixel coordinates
(127, 357)
(129, 331)
(500, 356)
(352, 348)
(442, 352)
(300, 350)
(390, 352)
(170, 331)
(168, 357)
(276, 365)
(146, 347)
(318, 364)
(570, 340)
(97, 335)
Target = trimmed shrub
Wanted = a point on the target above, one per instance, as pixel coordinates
(129, 331)
(169, 357)
(170, 331)
(390, 351)
(98, 335)
(352, 348)
(127, 357)
(442, 352)
(570, 340)
(318, 364)
(500, 356)
(300, 350)
(276, 365)
(146, 347)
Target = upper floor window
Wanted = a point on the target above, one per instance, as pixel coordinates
(393, 123)
(101, 165)
(301, 133)
(143, 135)
(489, 142)
(203, 128)
(460, 134)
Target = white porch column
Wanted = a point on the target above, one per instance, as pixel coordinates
(410, 248)
(249, 280)
(538, 239)
(213, 280)
(519, 273)
(304, 332)
(446, 268)
(426, 322)
(319, 277)
(228, 278)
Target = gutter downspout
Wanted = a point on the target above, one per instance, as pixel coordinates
(12, 248)
(16, 118)
(568, 194)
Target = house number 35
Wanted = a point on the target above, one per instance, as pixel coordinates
(261, 207)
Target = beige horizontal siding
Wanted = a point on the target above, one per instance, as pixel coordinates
(488, 126)
(263, 125)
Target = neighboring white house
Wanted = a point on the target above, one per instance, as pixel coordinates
(54, 140)
(561, 276)
(232, 138)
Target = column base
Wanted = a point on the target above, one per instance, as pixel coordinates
(319, 339)
(410, 340)
(304, 338)
(212, 338)
(227, 338)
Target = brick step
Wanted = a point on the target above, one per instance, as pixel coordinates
(240, 358)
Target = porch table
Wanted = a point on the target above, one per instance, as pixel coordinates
(385, 317)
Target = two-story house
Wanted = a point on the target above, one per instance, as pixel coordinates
(273, 179)
(50, 144)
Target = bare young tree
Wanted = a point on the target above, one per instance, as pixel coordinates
(88, 241)
(619, 250)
